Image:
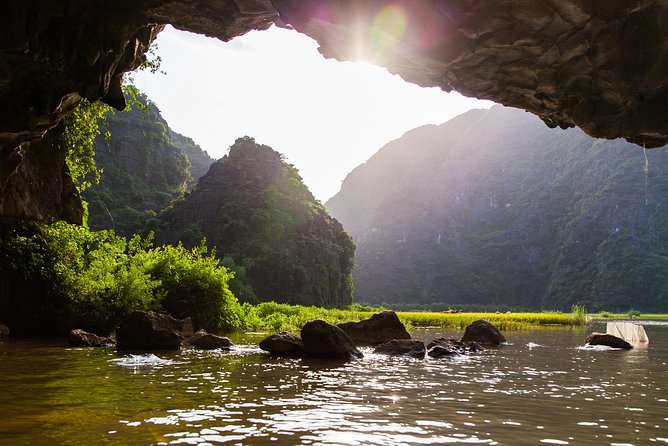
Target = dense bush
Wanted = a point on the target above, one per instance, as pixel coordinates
(60, 276)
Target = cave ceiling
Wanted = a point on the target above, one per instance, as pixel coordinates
(601, 65)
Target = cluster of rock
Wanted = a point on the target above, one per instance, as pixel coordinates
(384, 331)
(151, 331)
(319, 339)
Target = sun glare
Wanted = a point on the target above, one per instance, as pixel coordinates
(327, 117)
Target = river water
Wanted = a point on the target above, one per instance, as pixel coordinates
(542, 387)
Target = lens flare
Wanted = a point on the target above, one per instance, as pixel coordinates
(389, 27)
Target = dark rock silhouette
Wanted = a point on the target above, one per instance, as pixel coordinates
(402, 347)
(607, 340)
(207, 341)
(379, 328)
(151, 330)
(442, 347)
(484, 333)
(283, 344)
(323, 340)
(81, 338)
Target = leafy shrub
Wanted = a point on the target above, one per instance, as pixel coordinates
(71, 277)
(193, 283)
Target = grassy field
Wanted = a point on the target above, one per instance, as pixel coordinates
(503, 321)
(270, 316)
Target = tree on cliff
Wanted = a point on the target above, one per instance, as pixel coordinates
(254, 207)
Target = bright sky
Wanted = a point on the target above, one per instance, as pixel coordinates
(326, 116)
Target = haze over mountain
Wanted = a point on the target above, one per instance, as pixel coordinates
(493, 207)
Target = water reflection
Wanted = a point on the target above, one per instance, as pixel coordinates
(540, 388)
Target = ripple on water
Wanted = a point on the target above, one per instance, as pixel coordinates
(148, 360)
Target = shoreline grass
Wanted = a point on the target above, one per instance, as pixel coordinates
(273, 317)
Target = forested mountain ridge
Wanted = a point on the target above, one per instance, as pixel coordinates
(254, 208)
(493, 207)
(145, 165)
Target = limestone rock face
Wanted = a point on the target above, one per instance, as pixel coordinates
(379, 328)
(600, 65)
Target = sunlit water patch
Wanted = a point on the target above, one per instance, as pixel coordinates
(541, 388)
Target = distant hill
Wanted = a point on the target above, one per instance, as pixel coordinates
(280, 241)
(493, 208)
(145, 166)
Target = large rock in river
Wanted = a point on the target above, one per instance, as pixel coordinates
(323, 340)
(151, 330)
(378, 329)
(283, 344)
(208, 341)
(81, 338)
(607, 339)
(483, 332)
(402, 347)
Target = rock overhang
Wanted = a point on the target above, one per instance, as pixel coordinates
(600, 65)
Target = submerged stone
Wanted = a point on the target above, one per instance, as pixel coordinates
(442, 347)
(402, 347)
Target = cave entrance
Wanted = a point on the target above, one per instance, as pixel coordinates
(326, 116)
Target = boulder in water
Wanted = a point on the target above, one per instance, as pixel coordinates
(151, 331)
(442, 347)
(608, 340)
(283, 344)
(379, 328)
(208, 341)
(323, 340)
(81, 338)
(402, 347)
(484, 333)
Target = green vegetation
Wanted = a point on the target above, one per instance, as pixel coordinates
(503, 321)
(282, 244)
(64, 276)
(145, 165)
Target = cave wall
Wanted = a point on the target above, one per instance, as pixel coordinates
(597, 64)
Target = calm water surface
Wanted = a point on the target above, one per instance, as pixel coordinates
(540, 388)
